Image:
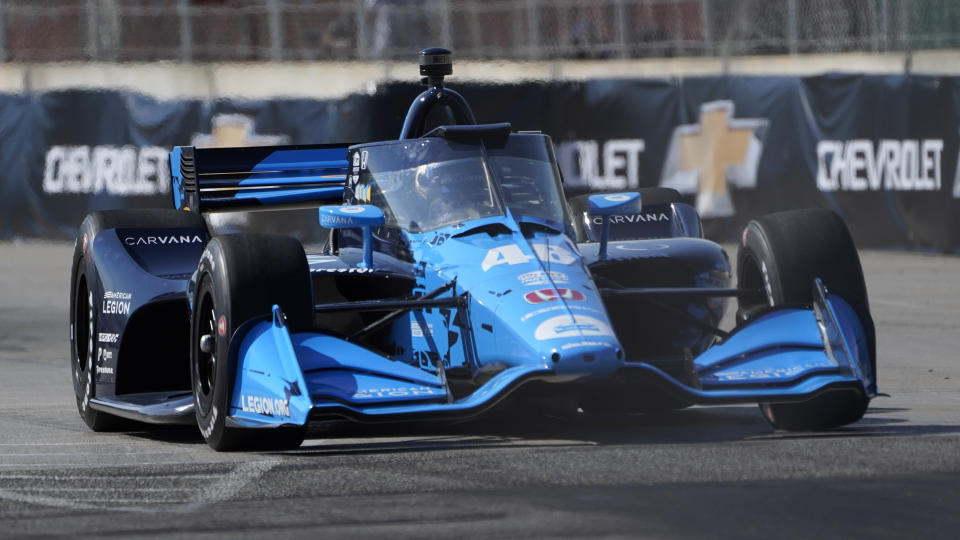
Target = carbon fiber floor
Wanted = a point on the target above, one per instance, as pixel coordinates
(693, 473)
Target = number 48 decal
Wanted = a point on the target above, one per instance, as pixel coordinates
(512, 254)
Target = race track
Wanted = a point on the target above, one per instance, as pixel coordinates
(693, 473)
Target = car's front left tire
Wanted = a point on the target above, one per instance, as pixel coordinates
(240, 277)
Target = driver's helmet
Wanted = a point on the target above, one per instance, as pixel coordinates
(439, 183)
(424, 179)
(449, 181)
(450, 190)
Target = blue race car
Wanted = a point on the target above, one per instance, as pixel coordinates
(456, 274)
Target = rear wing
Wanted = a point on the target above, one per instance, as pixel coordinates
(258, 177)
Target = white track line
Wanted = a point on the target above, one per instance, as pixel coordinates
(110, 488)
(230, 484)
(225, 487)
(58, 478)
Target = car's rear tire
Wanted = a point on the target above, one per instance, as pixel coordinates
(241, 277)
(85, 292)
(83, 341)
(780, 255)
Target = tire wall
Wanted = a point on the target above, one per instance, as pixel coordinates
(881, 150)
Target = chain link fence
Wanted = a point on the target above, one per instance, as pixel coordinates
(297, 30)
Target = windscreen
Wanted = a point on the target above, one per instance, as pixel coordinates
(429, 183)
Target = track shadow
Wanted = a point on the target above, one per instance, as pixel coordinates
(509, 429)
(169, 434)
(882, 410)
(513, 428)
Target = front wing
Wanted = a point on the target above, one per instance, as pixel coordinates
(786, 355)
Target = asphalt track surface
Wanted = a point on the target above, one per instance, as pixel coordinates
(695, 473)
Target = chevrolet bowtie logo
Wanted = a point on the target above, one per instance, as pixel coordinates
(704, 158)
(232, 130)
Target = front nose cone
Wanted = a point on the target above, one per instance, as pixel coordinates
(580, 358)
(579, 344)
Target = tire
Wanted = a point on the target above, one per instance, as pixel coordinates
(82, 349)
(240, 277)
(85, 287)
(780, 256)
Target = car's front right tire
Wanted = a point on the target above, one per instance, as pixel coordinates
(779, 257)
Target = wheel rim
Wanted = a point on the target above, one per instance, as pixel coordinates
(752, 278)
(205, 371)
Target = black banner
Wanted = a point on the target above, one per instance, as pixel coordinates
(880, 150)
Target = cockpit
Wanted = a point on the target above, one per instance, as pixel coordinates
(432, 182)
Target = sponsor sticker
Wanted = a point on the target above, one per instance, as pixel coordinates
(565, 326)
(356, 164)
(116, 303)
(769, 373)
(578, 344)
(264, 405)
(163, 240)
(104, 356)
(644, 246)
(319, 259)
(345, 270)
(401, 391)
(550, 295)
(648, 217)
(105, 337)
(363, 193)
(351, 209)
(417, 331)
(222, 325)
(539, 277)
(551, 308)
(344, 221)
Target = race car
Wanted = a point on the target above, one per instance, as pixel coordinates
(456, 274)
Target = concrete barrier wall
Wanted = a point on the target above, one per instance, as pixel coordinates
(324, 80)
